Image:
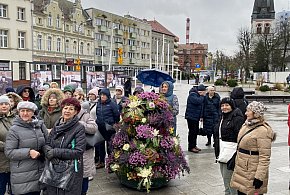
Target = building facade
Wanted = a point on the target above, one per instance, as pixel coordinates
(163, 48)
(192, 56)
(16, 37)
(121, 43)
(62, 34)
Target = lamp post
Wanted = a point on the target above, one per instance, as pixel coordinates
(111, 46)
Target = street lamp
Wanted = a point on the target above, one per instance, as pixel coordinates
(111, 46)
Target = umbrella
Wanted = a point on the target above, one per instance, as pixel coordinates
(153, 77)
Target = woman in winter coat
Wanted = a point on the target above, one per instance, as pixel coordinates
(24, 148)
(14, 100)
(166, 88)
(67, 142)
(211, 112)
(89, 162)
(119, 97)
(93, 100)
(51, 109)
(227, 130)
(251, 171)
(26, 93)
(6, 118)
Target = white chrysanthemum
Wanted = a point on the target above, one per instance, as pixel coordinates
(126, 147)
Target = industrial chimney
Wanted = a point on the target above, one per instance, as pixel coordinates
(187, 30)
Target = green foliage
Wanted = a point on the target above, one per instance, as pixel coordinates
(219, 82)
(264, 88)
(232, 83)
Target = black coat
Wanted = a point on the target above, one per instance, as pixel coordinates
(211, 113)
(238, 95)
(230, 127)
(66, 132)
(194, 106)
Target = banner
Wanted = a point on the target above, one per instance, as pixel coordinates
(70, 78)
(39, 78)
(5, 81)
(97, 79)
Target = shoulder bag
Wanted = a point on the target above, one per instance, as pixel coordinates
(60, 175)
(232, 162)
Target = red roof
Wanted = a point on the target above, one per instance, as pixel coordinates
(157, 27)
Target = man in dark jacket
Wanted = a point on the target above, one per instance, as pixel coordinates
(107, 115)
(193, 114)
(238, 95)
(128, 87)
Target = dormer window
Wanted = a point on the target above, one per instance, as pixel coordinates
(259, 29)
(267, 28)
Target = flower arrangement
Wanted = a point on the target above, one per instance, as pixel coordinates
(144, 148)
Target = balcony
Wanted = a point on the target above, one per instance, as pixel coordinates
(102, 43)
(133, 35)
(132, 61)
(175, 45)
(175, 51)
(102, 29)
(118, 45)
(175, 57)
(132, 48)
(99, 58)
(118, 32)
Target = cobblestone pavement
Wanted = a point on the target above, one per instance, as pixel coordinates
(205, 177)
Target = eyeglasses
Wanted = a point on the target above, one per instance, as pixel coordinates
(26, 90)
(41, 90)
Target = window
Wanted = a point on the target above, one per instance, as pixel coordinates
(49, 20)
(267, 28)
(49, 42)
(22, 70)
(131, 42)
(88, 49)
(98, 21)
(114, 53)
(98, 51)
(259, 29)
(75, 47)
(143, 44)
(143, 56)
(3, 38)
(20, 13)
(39, 42)
(131, 55)
(82, 48)
(3, 11)
(4, 65)
(131, 29)
(40, 21)
(99, 36)
(57, 21)
(21, 40)
(66, 46)
(58, 45)
(118, 40)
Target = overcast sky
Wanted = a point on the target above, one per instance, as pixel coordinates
(215, 22)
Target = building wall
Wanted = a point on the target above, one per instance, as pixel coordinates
(12, 54)
(131, 35)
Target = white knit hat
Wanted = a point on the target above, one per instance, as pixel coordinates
(26, 105)
(94, 91)
(258, 108)
(4, 99)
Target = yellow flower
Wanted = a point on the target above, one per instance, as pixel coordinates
(171, 130)
(145, 172)
(115, 167)
(117, 154)
(143, 120)
(126, 147)
(134, 104)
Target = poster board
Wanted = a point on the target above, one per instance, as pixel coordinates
(5, 81)
(38, 78)
(70, 78)
(97, 79)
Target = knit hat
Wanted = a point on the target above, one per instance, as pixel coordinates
(120, 87)
(68, 88)
(201, 87)
(94, 91)
(138, 89)
(228, 100)
(27, 105)
(4, 99)
(44, 87)
(258, 108)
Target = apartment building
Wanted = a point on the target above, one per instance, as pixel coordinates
(164, 47)
(121, 42)
(15, 38)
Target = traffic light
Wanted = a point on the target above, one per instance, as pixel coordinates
(78, 61)
(78, 68)
(120, 56)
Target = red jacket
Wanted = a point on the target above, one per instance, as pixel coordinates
(289, 124)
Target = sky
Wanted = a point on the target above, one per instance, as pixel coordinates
(215, 22)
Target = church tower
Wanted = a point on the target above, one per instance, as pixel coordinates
(263, 17)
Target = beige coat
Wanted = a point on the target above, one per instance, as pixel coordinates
(248, 166)
(90, 128)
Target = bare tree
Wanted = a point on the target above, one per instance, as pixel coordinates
(244, 39)
(284, 34)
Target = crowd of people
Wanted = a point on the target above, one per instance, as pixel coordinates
(49, 130)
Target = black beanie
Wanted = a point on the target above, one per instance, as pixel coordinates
(228, 100)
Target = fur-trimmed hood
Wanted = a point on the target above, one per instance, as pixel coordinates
(15, 97)
(59, 95)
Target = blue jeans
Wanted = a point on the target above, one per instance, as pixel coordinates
(4, 180)
(85, 186)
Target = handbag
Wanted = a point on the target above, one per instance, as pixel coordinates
(232, 162)
(94, 139)
(201, 131)
(60, 175)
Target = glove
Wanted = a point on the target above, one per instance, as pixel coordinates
(257, 183)
(49, 154)
(54, 161)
